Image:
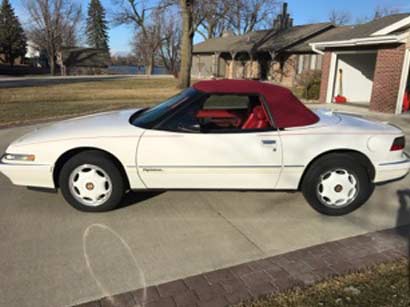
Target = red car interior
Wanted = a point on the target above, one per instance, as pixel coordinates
(257, 119)
(222, 118)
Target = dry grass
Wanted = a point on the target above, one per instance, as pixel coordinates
(34, 104)
(384, 285)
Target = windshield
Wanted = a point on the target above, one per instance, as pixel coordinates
(152, 116)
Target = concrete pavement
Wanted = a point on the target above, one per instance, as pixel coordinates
(52, 255)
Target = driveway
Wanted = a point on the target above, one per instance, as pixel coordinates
(52, 255)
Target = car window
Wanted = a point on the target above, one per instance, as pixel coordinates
(152, 116)
(185, 120)
(220, 114)
(226, 102)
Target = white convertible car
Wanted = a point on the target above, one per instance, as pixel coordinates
(217, 135)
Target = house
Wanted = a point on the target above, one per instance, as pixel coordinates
(36, 56)
(368, 64)
(78, 61)
(280, 54)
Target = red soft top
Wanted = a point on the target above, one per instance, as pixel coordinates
(287, 110)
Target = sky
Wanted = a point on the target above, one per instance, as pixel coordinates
(302, 11)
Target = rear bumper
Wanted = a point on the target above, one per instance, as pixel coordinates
(40, 176)
(391, 171)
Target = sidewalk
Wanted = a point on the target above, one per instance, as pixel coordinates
(256, 279)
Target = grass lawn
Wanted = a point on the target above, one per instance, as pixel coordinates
(34, 104)
(384, 285)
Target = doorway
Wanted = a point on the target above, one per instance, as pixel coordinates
(354, 76)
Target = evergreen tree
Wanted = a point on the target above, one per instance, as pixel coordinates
(97, 36)
(12, 38)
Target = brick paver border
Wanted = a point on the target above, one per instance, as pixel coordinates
(256, 279)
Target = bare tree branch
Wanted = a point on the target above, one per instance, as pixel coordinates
(53, 24)
(340, 17)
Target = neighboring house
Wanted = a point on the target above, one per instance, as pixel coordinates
(368, 64)
(35, 56)
(79, 61)
(280, 54)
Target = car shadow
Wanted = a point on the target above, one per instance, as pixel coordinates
(403, 216)
(133, 198)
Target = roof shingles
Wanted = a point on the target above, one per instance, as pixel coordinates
(295, 39)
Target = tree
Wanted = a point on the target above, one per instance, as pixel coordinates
(248, 15)
(97, 29)
(141, 14)
(170, 50)
(146, 44)
(340, 17)
(12, 38)
(210, 17)
(54, 23)
(188, 32)
(380, 12)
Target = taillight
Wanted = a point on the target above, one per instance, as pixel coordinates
(398, 144)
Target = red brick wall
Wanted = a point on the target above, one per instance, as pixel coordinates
(327, 58)
(387, 77)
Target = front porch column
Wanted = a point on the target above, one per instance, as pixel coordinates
(216, 64)
(232, 67)
(271, 71)
(255, 67)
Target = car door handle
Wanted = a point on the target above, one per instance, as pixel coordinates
(268, 142)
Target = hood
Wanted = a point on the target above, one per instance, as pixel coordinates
(108, 124)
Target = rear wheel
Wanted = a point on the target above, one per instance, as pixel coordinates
(337, 185)
(91, 182)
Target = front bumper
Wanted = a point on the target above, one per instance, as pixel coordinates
(393, 170)
(33, 175)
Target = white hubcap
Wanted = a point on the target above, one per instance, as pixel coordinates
(337, 188)
(90, 185)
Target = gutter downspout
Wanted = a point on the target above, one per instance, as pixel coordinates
(315, 49)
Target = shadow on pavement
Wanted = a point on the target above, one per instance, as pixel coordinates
(403, 216)
(134, 198)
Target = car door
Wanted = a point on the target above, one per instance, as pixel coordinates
(226, 159)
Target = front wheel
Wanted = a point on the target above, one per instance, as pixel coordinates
(337, 185)
(91, 182)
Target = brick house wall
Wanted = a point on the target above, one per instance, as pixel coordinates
(202, 66)
(387, 79)
(284, 73)
(327, 58)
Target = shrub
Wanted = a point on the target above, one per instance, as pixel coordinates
(309, 82)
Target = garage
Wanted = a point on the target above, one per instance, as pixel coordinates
(368, 65)
(355, 76)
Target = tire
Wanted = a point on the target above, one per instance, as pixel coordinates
(337, 185)
(91, 182)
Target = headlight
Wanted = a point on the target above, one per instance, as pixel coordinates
(18, 157)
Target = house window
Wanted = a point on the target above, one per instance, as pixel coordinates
(319, 62)
(300, 64)
(306, 62)
(313, 61)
